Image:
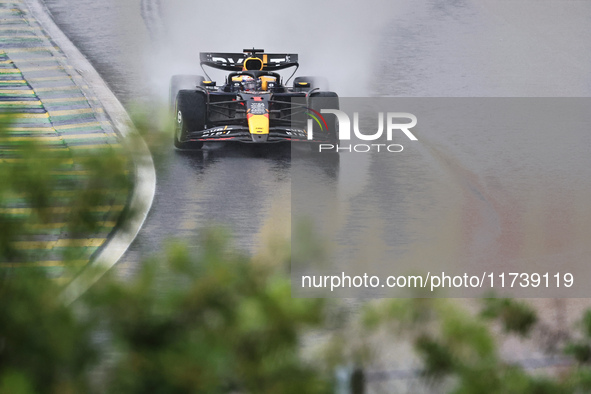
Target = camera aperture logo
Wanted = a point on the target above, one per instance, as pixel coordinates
(317, 117)
(395, 122)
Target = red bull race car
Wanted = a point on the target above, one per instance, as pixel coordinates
(253, 105)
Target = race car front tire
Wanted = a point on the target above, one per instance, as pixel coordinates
(326, 100)
(191, 112)
(181, 82)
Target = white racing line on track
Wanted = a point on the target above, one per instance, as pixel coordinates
(145, 174)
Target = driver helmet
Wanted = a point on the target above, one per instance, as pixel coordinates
(249, 83)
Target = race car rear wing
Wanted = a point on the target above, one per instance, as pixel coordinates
(233, 61)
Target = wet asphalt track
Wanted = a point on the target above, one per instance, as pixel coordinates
(235, 186)
(434, 48)
(437, 48)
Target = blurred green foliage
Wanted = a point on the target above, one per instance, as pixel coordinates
(516, 317)
(42, 185)
(207, 319)
(44, 346)
(210, 321)
(459, 350)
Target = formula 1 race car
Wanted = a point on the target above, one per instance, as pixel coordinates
(253, 105)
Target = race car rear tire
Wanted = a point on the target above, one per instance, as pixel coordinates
(191, 113)
(326, 100)
(315, 82)
(181, 82)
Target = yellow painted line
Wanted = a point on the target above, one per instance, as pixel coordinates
(31, 129)
(55, 78)
(35, 59)
(61, 243)
(72, 193)
(32, 137)
(58, 100)
(59, 88)
(9, 71)
(63, 224)
(10, 103)
(22, 211)
(23, 91)
(47, 263)
(47, 226)
(76, 125)
(20, 36)
(46, 68)
(59, 138)
(18, 28)
(25, 116)
(32, 49)
(9, 81)
(74, 112)
(87, 136)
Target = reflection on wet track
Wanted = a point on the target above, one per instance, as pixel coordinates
(469, 196)
(458, 195)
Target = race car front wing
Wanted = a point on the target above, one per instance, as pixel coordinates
(242, 134)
